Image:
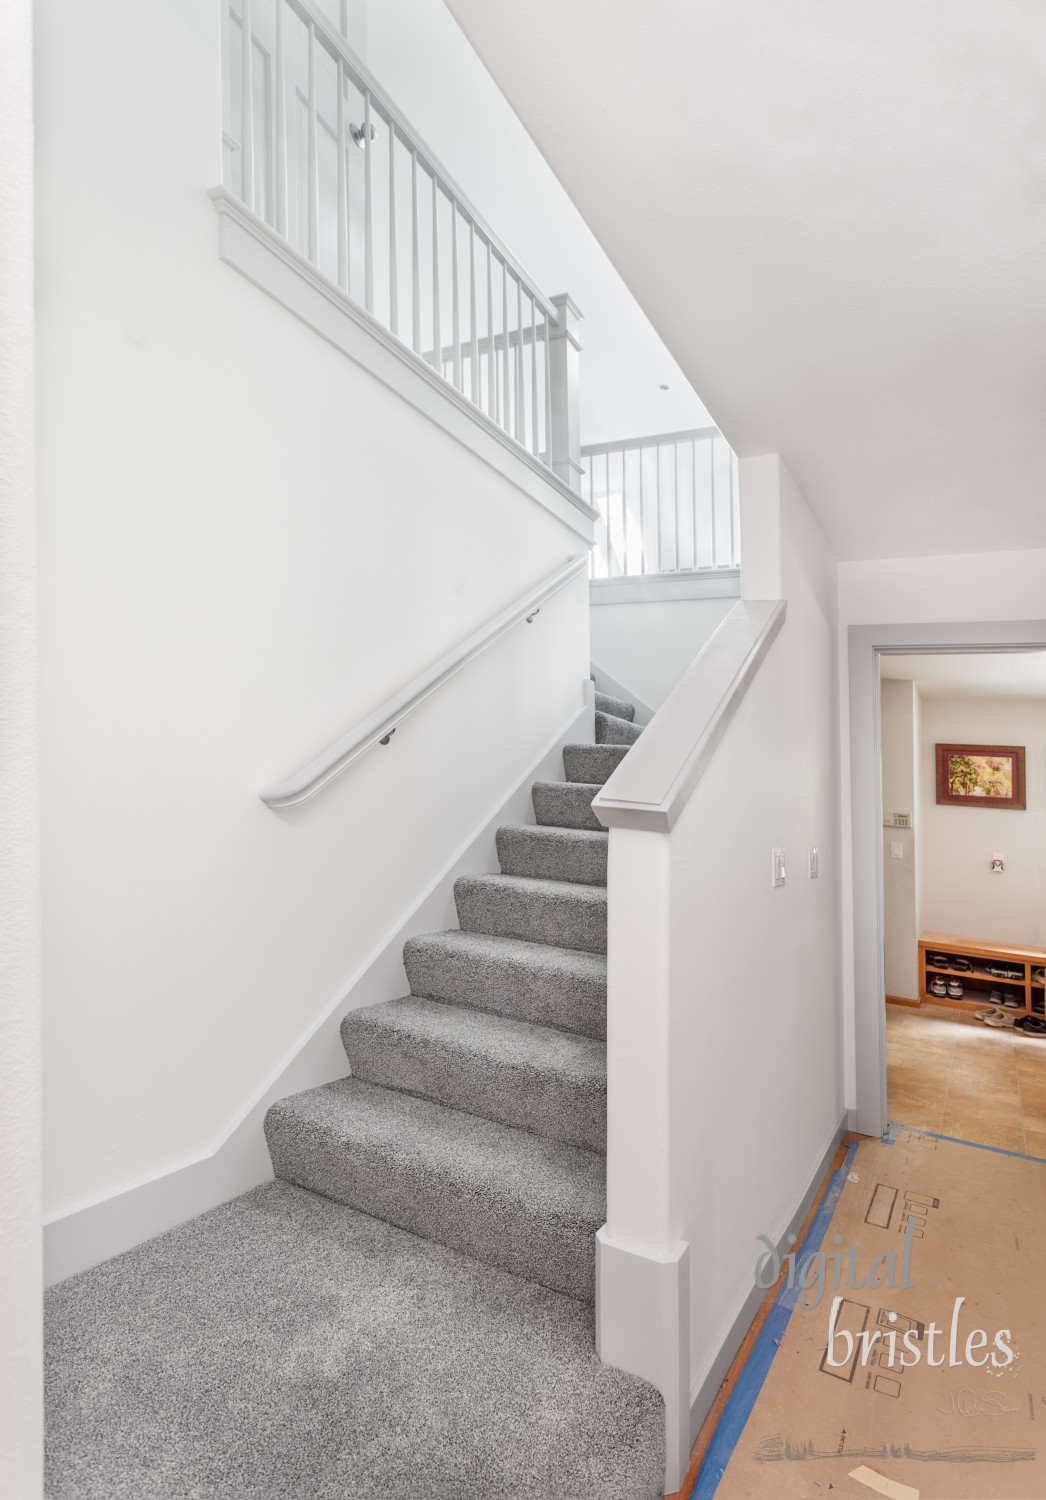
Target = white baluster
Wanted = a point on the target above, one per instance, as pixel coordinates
(711, 492)
(642, 514)
(394, 270)
(693, 486)
(247, 128)
(548, 396)
(343, 185)
(624, 519)
(437, 341)
(314, 172)
(415, 258)
(675, 497)
(504, 348)
(658, 452)
(492, 359)
(455, 310)
(733, 502)
(280, 132)
(474, 384)
(368, 208)
(521, 413)
(533, 377)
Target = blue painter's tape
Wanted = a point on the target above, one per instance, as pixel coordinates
(757, 1366)
(958, 1141)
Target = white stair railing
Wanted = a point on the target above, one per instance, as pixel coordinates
(666, 504)
(318, 152)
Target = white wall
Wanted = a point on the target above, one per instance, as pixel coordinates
(21, 1406)
(419, 54)
(960, 892)
(756, 1085)
(899, 734)
(955, 588)
(647, 647)
(246, 545)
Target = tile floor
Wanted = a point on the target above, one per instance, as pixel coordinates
(949, 1073)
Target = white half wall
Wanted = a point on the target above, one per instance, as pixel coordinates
(247, 544)
(960, 892)
(648, 646)
(21, 1378)
(756, 1088)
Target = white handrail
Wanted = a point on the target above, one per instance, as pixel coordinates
(381, 725)
(652, 784)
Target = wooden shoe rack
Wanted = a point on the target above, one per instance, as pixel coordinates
(977, 983)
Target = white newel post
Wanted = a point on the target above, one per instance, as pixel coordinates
(564, 382)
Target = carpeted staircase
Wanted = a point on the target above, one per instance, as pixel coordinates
(406, 1310)
(476, 1110)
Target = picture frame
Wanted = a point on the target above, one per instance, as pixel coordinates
(981, 776)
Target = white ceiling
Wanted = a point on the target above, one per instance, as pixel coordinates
(1013, 674)
(835, 215)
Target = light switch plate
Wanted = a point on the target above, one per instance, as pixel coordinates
(896, 849)
(813, 863)
(777, 862)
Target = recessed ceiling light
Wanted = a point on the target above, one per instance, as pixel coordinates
(664, 387)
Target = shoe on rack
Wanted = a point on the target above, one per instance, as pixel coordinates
(1012, 1000)
(958, 962)
(954, 989)
(1002, 971)
(1038, 976)
(937, 960)
(938, 986)
(1001, 1020)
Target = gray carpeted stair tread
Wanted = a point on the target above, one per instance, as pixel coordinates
(576, 854)
(283, 1345)
(558, 912)
(614, 731)
(530, 1077)
(565, 804)
(515, 1200)
(561, 987)
(592, 764)
(605, 704)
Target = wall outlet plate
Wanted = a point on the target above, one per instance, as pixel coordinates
(777, 867)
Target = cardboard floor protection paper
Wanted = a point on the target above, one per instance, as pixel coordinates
(930, 1390)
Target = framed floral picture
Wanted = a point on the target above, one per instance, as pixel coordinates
(981, 776)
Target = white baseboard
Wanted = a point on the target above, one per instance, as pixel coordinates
(239, 1160)
(615, 689)
(702, 1396)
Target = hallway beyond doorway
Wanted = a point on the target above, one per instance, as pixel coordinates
(949, 1073)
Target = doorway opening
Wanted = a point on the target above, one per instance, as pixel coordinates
(962, 742)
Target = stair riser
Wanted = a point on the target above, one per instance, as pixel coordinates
(565, 804)
(535, 993)
(569, 1109)
(592, 764)
(529, 915)
(614, 731)
(403, 1192)
(616, 706)
(522, 851)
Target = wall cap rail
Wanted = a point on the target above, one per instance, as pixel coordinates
(381, 725)
(655, 779)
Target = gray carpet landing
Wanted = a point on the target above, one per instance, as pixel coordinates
(406, 1310)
